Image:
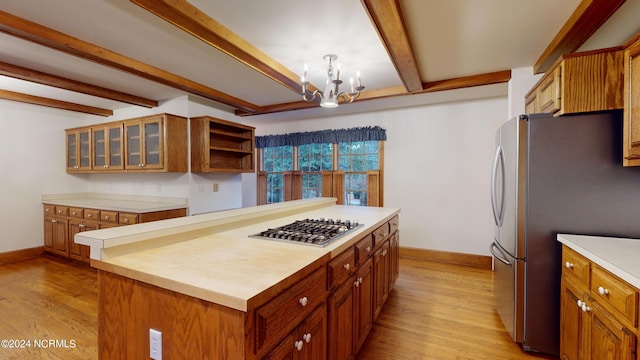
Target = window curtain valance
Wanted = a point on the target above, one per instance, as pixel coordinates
(369, 133)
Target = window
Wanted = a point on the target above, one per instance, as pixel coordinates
(312, 160)
(345, 164)
(356, 159)
(277, 160)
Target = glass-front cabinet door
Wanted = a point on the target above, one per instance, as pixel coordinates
(144, 143)
(78, 149)
(107, 147)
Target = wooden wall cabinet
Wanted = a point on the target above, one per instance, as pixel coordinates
(631, 129)
(598, 312)
(62, 223)
(580, 82)
(108, 147)
(156, 143)
(221, 146)
(78, 149)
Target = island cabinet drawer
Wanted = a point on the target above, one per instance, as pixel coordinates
(340, 268)
(380, 234)
(364, 249)
(576, 265)
(76, 212)
(127, 218)
(109, 216)
(62, 210)
(284, 312)
(394, 224)
(615, 293)
(92, 214)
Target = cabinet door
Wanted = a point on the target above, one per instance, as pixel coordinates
(144, 143)
(363, 309)
(78, 149)
(56, 236)
(631, 136)
(380, 277)
(313, 333)
(78, 251)
(572, 322)
(609, 339)
(340, 336)
(107, 147)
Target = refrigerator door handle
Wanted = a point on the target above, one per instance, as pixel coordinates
(500, 256)
(498, 165)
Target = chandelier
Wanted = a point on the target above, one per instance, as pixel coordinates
(331, 95)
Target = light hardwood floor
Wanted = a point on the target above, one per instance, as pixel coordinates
(436, 311)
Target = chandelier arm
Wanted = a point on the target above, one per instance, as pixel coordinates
(316, 93)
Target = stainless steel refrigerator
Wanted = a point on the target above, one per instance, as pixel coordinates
(553, 175)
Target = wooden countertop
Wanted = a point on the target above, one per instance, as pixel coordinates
(619, 256)
(228, 267)
(126, 203)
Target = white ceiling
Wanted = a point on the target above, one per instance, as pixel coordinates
(450, 39)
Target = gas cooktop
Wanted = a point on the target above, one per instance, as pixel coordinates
(316, 232)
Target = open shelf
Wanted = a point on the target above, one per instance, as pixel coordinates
(221, 146)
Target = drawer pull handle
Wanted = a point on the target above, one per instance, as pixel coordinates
(303, 301)
(603, 291)
(307, 337)
(568, 265)
(298, 345)
(347, 266)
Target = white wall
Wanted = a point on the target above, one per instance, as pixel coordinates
(437, 168)
(32, 159)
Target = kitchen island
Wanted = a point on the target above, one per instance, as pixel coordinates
(214, 292)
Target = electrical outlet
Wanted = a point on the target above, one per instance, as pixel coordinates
(215, 187)
(155, 344)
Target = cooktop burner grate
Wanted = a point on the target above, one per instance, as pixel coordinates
(316, 232)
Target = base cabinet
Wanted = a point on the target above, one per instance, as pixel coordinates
(307, 342)
(62, 223)
(591, 327)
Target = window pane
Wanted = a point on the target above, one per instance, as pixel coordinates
(371, 147)
(372, 162)
(357, 147)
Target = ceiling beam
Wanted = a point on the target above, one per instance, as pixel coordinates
(468, 81)
(584, 22)
(197, 23)
(386, 16)
(42, 101)
(42, 35)
(497, 77)
(35, 76)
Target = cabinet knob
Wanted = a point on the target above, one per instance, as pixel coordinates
(347, 266)
(105, 166)
(126, 220)
(603, 291)
(307, 337)
(384, 253)
(88, 215)
(303, 301)
(298, 345)
(106, 217)
(585, 308)
(579, 302)
(46, 210)
(568, 265)
(368, 248)
(73, 213)
(360, 280)
(81, 226)
(54, 220)
(356, 283)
